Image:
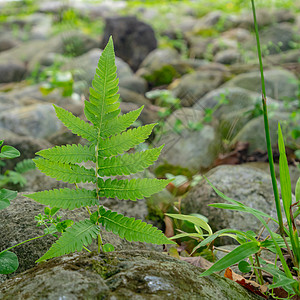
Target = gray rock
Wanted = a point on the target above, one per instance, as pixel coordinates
(253, 132)
(7, 42)
(133, 39)
(17, 224)
(133, 275)
(37, 120)
(280, 84)
(191, 149)
(193, 86)
(135, 84)
(86, 64)
(133, 97)
(248, 185)
(12, 70)
(278, 38)
(228, 57)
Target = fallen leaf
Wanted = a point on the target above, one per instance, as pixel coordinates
(250, 285)
(169, 231)
(198, 261)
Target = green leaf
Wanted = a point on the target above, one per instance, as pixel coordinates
(76, 125)
(66, 198)
(285, 181)
(233, 257)
(65, 172)
(1, 142)
(128, 163)
(69, 153)
(25, 166)
(74, 238)
(120, 143)
(9, 152)
(5, 197)
(131, 229)
(130, 189)
(8, 262)
(244, 266)
(108, 247)
(194, 220)
(297, 190)
(116, 126)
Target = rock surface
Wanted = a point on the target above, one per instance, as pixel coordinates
(120, 275)
(246, 184)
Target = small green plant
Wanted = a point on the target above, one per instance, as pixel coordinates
(108, 139)
(288, 237)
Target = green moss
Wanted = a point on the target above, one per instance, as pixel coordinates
(161, 171)
(106, 267)
(163, 76)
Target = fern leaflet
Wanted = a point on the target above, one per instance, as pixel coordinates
(69, 153)
(128, 163)
(131, 229)
(74, 238)
(131, 189)
(66, 198)
(65, 172)
(119, 143)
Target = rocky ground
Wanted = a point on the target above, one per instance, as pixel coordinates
(198, 76)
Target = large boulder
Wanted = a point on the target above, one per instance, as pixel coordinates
(120, 275)
(253, 132)
(246, 184)
(280, 84)
(36, 120)
(190, 148)
(11, 70)
(17, 224)
(193, 86)
(133, 39)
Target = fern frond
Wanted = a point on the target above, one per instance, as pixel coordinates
(24, 166)
(130, 189)
(66, 198)
(76, 125)
(120, 143)
(116, 126)
(128, 163)
(65, 172)
(103, 96)
(74, 238)
(131, 229)
(69, 153)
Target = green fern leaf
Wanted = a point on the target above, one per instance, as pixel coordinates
(116, 126)
(130, 189)
(128, 163)
(74, 238)
(103, 96)
(69, 153)
(24, 166)
(65, 172)
(131, 229)
(66, 198)
(76, 125)
(120, 143)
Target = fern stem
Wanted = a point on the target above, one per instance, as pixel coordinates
(100, 242)
(87, 249)
(87, 208)
(35, 238)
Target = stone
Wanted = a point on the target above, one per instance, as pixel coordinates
(86, 65)
(280, 84)
(132, 97)
(253, 132)
(7, 42)
(12, 70)
(192, 149)
(135, 84)
(37, 120)
(228, 57)
(133, 275)
(192, 87)
(246, 184)
(278, 38)
(17, 224)
(133, 39)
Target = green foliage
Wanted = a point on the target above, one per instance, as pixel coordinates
(108, 139)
